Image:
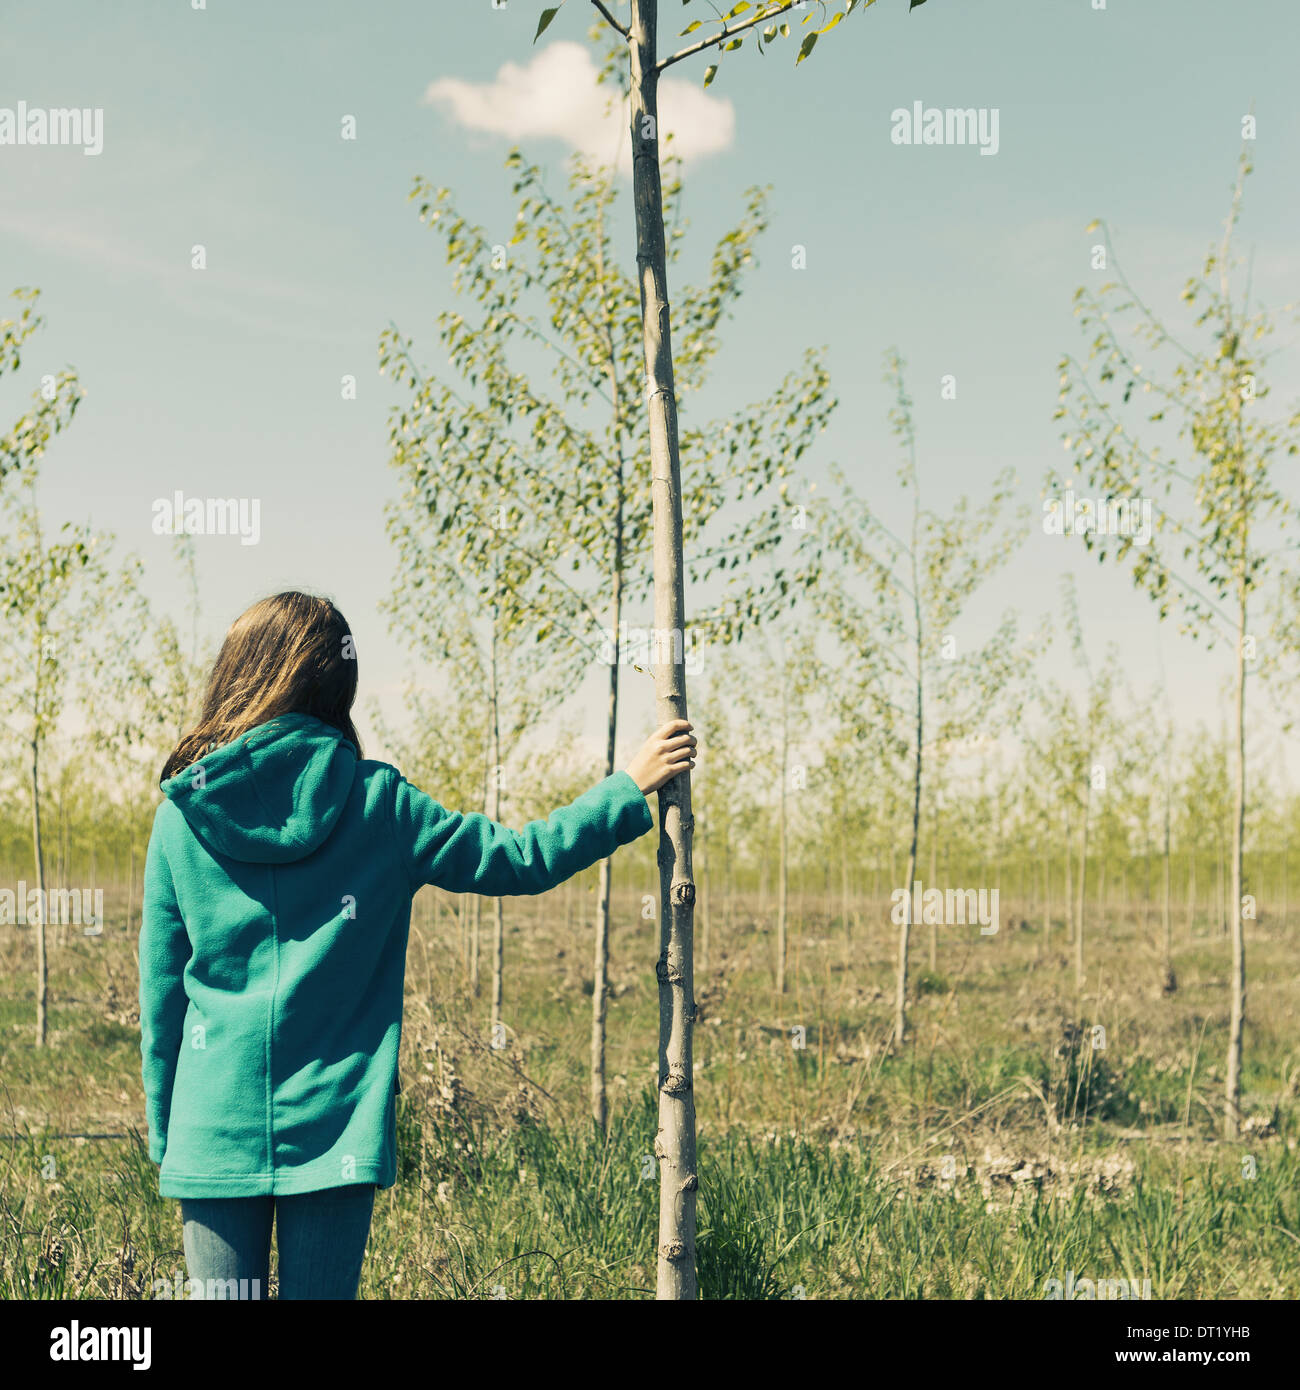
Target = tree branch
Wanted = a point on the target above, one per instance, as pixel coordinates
(725, 33)
(609, 18)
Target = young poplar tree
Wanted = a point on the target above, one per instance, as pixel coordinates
(896, 606)
(147, 673)
(845, 788)
(1217, 546)
(43, 584)
(725, 32)
(1074, 750)
(445, 747)
(572, 543)
(46, 587)
(451, 621)
(772, 691)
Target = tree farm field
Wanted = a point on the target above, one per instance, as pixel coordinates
(894, 433)
(1028, 1133)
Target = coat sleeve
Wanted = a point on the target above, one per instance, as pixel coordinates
(164, 952)
(474, 854)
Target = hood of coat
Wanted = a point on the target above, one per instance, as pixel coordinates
(271, 796)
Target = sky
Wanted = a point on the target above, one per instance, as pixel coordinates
(223, 128)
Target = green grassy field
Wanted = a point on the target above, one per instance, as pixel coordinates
(1002, 1148)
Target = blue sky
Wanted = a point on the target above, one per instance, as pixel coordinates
(222, 128)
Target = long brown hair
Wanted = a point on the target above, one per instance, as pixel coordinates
(291, 653)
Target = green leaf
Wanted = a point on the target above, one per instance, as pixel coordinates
(710, 73)
(544, 21)
(805, 48)
(913, 4)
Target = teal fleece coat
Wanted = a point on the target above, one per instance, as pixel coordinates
(278, 886)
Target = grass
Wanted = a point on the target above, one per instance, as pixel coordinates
(1009, 1142)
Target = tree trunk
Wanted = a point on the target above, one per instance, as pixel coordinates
(844, 900)
(1101, 890)
(675, 1142)
(1047, 898)
(1218, 893)
(783, 869)
(934, 883)
(1286, 851)
(1191, 893)
(730, 914)
(1083, 876)
(1236, 1025)
(130, 885)
(476, 923)
(600, 971)
(499, 925)
(38, 852)
(905, 931)
(705, 896)
(475, 936)
(462, 930)
(1069, 878)
(1166, 903)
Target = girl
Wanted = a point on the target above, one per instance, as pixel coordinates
(278, 886)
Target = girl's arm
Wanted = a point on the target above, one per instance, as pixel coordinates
(474, 854)
(164, 952)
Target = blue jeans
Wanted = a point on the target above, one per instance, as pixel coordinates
(321, 1237)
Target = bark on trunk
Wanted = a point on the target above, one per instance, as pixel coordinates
(1069, 879)
(905, 931)
(705, 921)
(783, 869)
(1236, 1024)
(1083, 878)
(1047, 900)
(1166, 902)
(476, 923)
(600, 969)
(1191, 894)
(675, 1141)
(1218, 894)
(934, 883)
(844, 885)
(38, 852)
(499, 926)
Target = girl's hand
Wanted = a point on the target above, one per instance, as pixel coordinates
(663, 755)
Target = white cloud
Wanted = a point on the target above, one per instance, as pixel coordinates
(556, 97)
